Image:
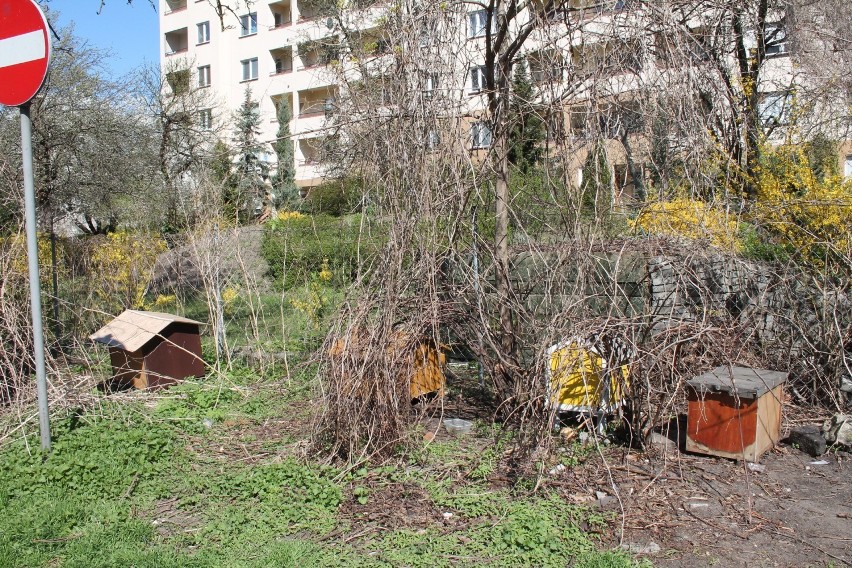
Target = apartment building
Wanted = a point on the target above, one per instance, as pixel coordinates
(274, 48)
(598, 59)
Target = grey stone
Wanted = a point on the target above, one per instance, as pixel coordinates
(809, 439)
(838, 430)
(650, 547)
(665, 443)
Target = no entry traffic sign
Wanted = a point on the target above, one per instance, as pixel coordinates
(24, 50)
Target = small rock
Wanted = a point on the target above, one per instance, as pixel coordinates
(838, 430)
(208, 423)
(756, 467)
(558, 469)
(639, 548)
(663, 442)
(447, 516)
(584, 437)
(568, 434)
(809, 439)
(600, 495)
(819, 462)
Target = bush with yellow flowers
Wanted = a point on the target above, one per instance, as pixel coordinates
(124, 262)
(15, 262)
(689, 218)
(804, 204)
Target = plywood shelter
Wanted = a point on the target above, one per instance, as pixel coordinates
(152, 349)
(734, 412)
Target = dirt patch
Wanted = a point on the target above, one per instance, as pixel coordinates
(684, 510)
(393, 506)
(170, 520)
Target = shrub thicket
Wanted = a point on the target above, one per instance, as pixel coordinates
(296, 246)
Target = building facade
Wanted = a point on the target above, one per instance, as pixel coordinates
(595, 66)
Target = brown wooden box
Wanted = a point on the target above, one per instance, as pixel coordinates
(151, 350)
(734, 412)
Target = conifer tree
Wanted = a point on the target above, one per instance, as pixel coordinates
(527, 133)
(285, 184)
(251, 169)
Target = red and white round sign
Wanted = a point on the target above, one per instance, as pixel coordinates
(24, 50)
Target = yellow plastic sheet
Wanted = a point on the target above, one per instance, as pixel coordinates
(580, 380)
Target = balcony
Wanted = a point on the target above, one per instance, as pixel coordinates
(312, 155)
(316, 102)
(174, 6)
(316, 54)
(282, 60)
(311, 10)
(282, 14)
(546, 67)
(177, 41)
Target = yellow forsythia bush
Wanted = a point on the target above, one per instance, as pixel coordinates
(810, 213)
(124, 262)
(691, 219)
(15, 262)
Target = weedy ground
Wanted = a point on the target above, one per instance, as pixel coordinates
(217, 472)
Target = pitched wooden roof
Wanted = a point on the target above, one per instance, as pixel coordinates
(134, 328)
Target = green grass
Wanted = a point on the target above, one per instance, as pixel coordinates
(153, 485)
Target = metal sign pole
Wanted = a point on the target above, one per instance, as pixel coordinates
(35, 283)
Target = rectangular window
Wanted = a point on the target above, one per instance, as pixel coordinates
(204, 76)
(248, 24)
(205, 119)
(249, 69)
(433, 140)
(480, 134)
(476, 23)
(203, 32)
(774, 109)
(477, 79)
(775, 40)
(430, 84)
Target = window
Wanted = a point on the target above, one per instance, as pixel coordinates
(775, 40)
(430, 84)
(480, 134)
(204, 76)
(477, 79)
(205, 119)
(424, 39)
(433, 140)
(203, 32)
(248, 24)
(249, 69)
(847, 167)
(774, 109)
(476, 23)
